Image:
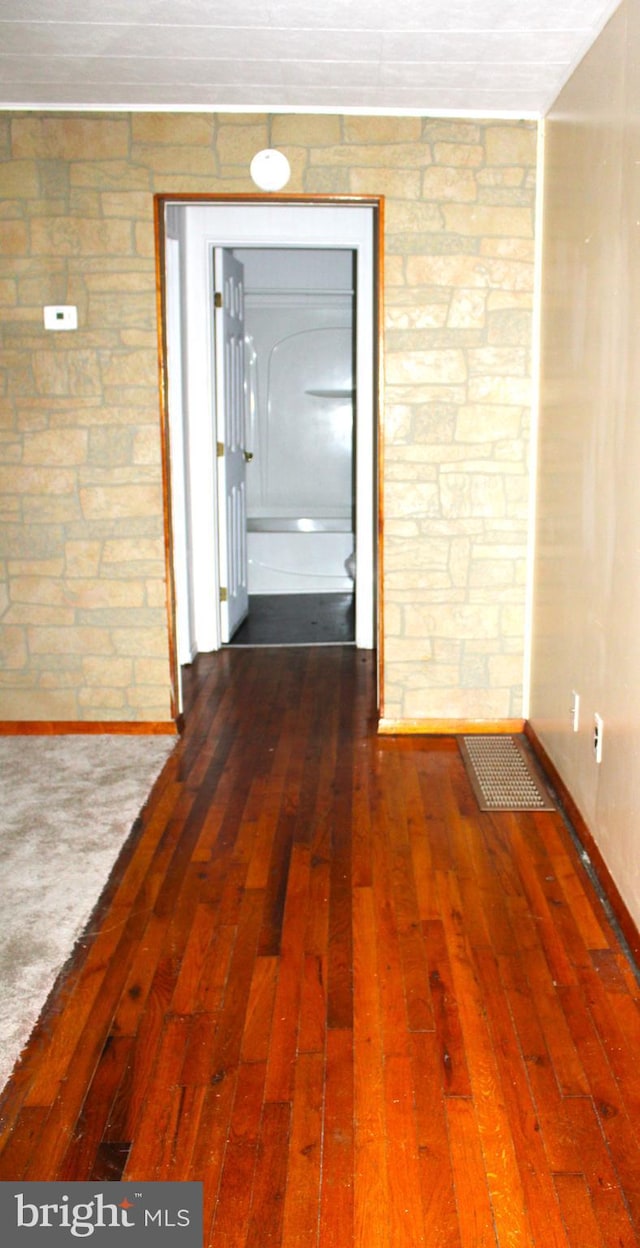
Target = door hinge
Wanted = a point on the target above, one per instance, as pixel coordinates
(220, 449)
(224, 596)
(217, 299)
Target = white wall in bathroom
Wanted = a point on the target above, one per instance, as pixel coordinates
(299, 268)
(300, 496)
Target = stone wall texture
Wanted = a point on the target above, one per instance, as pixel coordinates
(83, 615)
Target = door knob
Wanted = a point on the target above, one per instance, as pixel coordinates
(248, 455)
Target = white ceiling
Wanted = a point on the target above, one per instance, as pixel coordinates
(505, 57)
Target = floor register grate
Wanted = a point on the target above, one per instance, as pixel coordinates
(502, 774)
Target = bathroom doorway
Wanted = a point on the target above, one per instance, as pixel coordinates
(190, 232)
(299, 357)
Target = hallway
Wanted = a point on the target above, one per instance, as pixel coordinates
(323, 983)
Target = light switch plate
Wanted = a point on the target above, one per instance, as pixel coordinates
(59, 316)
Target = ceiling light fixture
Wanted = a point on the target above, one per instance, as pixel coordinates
(270, 169)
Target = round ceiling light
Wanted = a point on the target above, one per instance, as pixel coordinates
(270, 169)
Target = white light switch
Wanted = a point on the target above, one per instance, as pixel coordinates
(57, 316)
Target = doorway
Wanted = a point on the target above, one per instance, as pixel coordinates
(190, 231)
(299, 342)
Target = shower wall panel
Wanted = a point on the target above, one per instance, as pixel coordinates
(300, 433)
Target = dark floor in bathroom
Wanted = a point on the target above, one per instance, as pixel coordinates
(297, 620)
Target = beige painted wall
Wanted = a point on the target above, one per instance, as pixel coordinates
(587, 612)
(83, 630)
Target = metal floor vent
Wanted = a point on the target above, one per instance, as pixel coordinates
(502, 775)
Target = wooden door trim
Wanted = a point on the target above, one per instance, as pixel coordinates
(376, 203)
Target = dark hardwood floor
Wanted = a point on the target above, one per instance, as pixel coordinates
(323, 983)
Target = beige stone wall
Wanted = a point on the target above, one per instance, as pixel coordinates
(458, 339)
(83, 632)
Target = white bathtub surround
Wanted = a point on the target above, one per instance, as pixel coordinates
(300, 493)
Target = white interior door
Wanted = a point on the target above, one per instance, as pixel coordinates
(231, 450)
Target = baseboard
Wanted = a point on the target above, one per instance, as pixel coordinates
(605, 880)
(448, 727)
(61, 727)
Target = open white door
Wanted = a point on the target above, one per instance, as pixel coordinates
(231, 450)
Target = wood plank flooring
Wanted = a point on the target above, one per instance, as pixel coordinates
(324, 984)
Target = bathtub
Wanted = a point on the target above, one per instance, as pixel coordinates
(299, 555)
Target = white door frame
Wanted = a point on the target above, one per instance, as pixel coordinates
(184, 627)
(256, 223)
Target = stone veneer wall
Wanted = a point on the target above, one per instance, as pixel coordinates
(83, 626)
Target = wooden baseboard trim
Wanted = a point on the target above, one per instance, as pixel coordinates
(58, 728)
(605, 880)
(448, 727)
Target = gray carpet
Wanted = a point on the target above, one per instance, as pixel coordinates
(67, 804)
